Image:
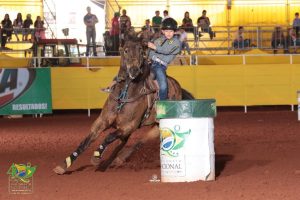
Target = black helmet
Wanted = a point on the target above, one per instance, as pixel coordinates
(169, 24)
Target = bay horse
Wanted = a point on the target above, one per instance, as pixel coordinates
(128, 107)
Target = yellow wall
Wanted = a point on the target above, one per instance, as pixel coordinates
(33, 7)
(230, 85)
(79, 88)
(242, 12)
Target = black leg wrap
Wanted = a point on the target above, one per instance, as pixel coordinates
(84, 144)
(108, 140)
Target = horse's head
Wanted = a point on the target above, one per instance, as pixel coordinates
(132, 55)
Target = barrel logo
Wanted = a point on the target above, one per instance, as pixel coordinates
(13, 83)
(172, 140)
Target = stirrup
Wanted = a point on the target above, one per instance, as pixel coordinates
(107, 90)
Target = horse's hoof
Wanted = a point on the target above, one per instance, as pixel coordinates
(95, 161)
(118, 162)
(59, 170)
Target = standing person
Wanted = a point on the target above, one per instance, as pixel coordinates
(90, 20)
(114, 34)
(296, 24)
(18, 25)
(204, 23)
(125, 24)
(39, 29)
(26, 27)
(6, 30)
(163, 51)
(156, 21)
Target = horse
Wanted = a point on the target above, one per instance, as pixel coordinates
(130, 106)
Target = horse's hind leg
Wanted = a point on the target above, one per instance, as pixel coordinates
(98, 126)
(105, 164)
(95, 160)
(127, 152)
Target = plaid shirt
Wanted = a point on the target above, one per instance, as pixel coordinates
(166, 50)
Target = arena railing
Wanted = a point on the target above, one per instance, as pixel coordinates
(259, 37)
(190, 60)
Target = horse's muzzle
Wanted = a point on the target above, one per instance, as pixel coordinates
(133, 72)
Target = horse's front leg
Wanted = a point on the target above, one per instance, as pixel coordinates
(98, 126)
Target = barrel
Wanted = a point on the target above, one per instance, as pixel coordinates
(186, 139)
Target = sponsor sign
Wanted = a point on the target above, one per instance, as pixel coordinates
(25, 91)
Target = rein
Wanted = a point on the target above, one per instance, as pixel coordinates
(122, 99)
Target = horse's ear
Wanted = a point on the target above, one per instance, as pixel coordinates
(139, 35)
(130, 34)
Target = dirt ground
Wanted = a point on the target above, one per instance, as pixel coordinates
(257, 157)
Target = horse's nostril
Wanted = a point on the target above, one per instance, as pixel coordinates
(134, 71)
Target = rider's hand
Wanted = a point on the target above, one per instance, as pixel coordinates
(151, 45)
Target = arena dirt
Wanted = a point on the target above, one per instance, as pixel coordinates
(257, 157)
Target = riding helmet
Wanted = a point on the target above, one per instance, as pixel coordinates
(169, 24)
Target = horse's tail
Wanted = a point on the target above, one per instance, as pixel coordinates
(186, 95)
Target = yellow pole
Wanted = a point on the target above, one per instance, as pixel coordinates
(287, 12)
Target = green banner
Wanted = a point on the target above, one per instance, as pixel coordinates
(186, 108)
(25, 91)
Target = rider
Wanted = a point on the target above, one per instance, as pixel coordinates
(163, 51)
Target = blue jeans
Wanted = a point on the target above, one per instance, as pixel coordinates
(90, 35)
(159, 71)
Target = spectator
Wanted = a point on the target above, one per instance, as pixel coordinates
(90, 20)
(39, 29)
(204, 23)
(278, 39)
(187, 24)
(296, 24)
(125, 24)
(156, 21)
(18, 25)
(0, 36)
(147, 26)
(166, 15)
(114, 34)
(26, 27)
(148, 33)
(292, 40)
(6, 30)
(240, 42)
(183, 40)
(108, 43)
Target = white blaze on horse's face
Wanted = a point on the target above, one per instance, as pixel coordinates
(133, 57)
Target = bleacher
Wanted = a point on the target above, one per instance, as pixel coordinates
(260, 37)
